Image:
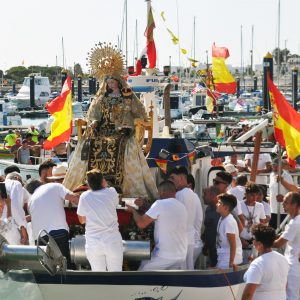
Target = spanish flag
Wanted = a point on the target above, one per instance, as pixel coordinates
(223, 80)
(150, 49)
(286, 122)
(61, 109)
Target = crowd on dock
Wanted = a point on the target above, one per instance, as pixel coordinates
(28, 149)
(236, 227)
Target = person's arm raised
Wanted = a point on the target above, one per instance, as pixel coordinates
(142, 221)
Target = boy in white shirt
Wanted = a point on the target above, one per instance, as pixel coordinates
(229, 247)
(266, 277)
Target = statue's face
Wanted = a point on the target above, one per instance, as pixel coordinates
(112, 83)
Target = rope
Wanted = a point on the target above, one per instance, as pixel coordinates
(228, 282)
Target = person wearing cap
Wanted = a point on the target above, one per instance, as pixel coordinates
(23, 154)
(10, 139)
(238, 163)
(276, 197)
(46, 207)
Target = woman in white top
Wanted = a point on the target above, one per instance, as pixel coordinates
(291, 238)
(266, 277)
(97, 208)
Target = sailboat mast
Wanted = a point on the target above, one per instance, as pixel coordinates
(126, 30)
(63, 52)
(252, 35)
(242, 56)
(194, 38)
(278, 45)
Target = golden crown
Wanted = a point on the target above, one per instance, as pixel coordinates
(105, 60)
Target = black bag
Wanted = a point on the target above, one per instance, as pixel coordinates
(85, 151)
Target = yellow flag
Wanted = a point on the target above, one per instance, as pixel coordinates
(194, 65)
(183, 51)
(193, 60)
(162, 14)
(175, 39)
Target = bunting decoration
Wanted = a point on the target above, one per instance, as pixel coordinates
(162, 164)
(223, 80)
(150, 49)
(61, 109)
(175, 41)
(286, 123)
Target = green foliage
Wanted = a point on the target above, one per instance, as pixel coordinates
(17, 73)
(281, 54)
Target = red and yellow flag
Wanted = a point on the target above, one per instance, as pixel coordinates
(223, 80)
(162, 164)
(61, 109)
(150, 49)
(286, 122)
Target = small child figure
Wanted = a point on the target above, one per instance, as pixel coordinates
(229, 246)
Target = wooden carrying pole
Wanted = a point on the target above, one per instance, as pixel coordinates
(257, 144)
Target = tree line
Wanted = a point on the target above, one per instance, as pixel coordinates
(17, 74)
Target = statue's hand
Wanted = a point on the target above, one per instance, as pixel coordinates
(94, 124)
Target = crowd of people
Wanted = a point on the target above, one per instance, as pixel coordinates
(232, 229)
(27, 148)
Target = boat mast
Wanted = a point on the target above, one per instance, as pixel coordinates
(63, 52)
(278, 45)
(242, 57)
(126, 30)
(179, 56)
(194, 35)
(251, 51)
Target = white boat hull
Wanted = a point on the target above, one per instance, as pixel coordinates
(162, 285)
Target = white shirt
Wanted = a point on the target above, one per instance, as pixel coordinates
(270, 271)
(228, 225)
(15, 192)
(238, 210)
(263, 158)
(170, 231)
(46, 207)
(292, 250)
(267, 208)
(273, 187)
(253, 215)
(238, 191)
(194, 212)
(99, 208)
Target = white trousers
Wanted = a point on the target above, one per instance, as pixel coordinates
(197, 252)
(293, 287)
(160, 263)
(188, 264)
(105, 256)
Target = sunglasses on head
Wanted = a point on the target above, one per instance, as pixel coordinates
(216, 181)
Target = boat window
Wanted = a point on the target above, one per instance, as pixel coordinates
(174, 102)
(26, 81)
(37, 81)
(44, 94)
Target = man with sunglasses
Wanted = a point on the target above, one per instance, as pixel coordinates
(222, 181)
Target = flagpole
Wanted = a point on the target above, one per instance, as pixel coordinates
(279, 171)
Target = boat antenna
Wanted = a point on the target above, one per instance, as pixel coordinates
(194, 37)
(179, 55)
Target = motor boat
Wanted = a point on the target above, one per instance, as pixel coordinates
(41, 92)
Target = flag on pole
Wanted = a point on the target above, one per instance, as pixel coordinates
(150, 49)
(286, 122)
(61, 109)
(223, 80)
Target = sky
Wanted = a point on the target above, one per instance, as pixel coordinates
(32, 30)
